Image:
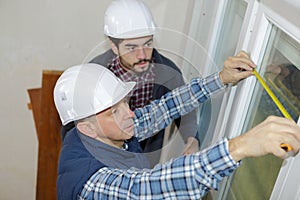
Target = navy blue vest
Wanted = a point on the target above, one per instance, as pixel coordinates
(77, 165)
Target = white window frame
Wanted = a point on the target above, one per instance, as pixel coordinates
(287, 185)
(284, 15)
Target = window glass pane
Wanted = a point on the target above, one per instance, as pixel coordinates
(255, 179)
(225, 46)
(230, 31)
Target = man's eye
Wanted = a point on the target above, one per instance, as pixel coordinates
(148, 45)
(131, 48)
(114, 111)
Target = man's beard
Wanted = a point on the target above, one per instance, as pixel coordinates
(130, 67)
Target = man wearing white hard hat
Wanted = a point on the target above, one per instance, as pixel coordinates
(101, 157)
(130, 28)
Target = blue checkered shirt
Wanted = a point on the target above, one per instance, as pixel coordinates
(186, 177)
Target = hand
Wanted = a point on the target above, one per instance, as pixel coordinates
(272, 71)
(192, 146)
(266, 138)
(278, 70)
(237, 68)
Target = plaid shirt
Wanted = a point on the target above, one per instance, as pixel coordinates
(186, 177)
(141, 95)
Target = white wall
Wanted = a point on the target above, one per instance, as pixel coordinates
(48, 34)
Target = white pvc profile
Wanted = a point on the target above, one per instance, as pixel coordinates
(287, 185)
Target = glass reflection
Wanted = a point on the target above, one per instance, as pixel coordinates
(255, 179)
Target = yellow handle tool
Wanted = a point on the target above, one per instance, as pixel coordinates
(286, 147)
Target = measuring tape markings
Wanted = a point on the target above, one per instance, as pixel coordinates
(286, 147)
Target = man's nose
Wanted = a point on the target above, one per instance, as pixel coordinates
(128, 110)
(141, 53)
(130, 113)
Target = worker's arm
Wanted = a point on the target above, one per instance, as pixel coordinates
(182, 100)
(188, 177)
(193, 175)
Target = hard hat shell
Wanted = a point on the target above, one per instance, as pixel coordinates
(125, 19)
(87, 89)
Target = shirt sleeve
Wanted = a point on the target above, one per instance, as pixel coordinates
(186, 177)
(180, 101)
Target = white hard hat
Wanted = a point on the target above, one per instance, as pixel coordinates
(126, 19)
(87, 89)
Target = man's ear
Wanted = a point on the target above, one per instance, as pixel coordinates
(87, 128)
(114, 47)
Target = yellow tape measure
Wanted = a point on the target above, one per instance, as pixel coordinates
(286, 147)
(272, 95)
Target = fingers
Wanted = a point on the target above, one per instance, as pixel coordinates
(280, 124)
(241, 63)
(240, 75)
(268, 136)
(288, 133)
(280, 153)
(237, 68)
(274, 69)
(243, 54)
(292, 143)
(284, 153)
(245, 58)
(284, 131)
